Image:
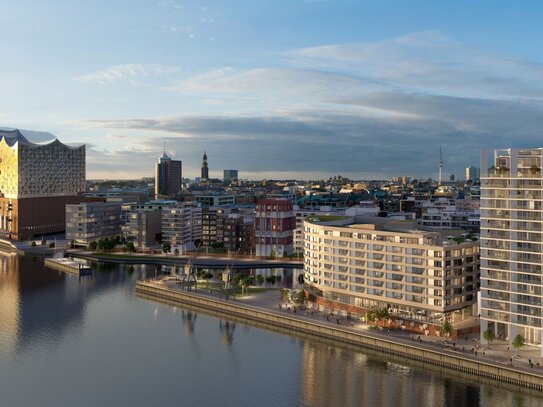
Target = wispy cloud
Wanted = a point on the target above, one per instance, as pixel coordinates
(117, 73)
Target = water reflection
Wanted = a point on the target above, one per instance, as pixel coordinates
(51, 322)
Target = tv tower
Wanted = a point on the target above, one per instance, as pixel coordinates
(440, 164)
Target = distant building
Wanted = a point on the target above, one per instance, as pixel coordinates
(473, 174)
(36, 183)
(91, 221)
(230, 175)
(238, 234)
(215, 200)
(452, 177)
(213, 224)
(168, 177)
(205, 170)
(274, 227)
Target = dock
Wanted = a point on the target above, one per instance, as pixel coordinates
(68, 266)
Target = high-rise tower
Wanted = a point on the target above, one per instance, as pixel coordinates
(440, 164)
(512, 244)
(205, 169)
(168, 177)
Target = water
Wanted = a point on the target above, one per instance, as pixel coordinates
(66, 341)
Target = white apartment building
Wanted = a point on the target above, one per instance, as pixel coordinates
(417, 275)
(512, 243)
(181, 224)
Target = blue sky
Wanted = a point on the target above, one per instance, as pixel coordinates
(294, 88)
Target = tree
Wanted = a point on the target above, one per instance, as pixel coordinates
(166, 247)
(447, 328)
(273, 253)
(130, 248)
(101, 245)
(176, 251)
(260, 279)
(285, 254)
(33, 244)
(489, 335)
(52, 245)
(518, 342)
(93, 245)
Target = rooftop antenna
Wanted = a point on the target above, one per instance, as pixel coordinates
(440, 164)
(164, 146)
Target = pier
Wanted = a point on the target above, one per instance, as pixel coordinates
(68, 266)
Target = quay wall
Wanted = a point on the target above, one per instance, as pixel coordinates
(408, 350)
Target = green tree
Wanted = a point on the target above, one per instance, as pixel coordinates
(176, 251)
(273, 253)
(447, 328)
(101, 245)
(260, 279)
(518, 342)
(52, 245)
(93, 245)
(166, 247)
(489, 335)
(33, 244)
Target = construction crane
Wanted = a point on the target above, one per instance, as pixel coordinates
(189, 272)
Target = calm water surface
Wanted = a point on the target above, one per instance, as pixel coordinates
(91, 342)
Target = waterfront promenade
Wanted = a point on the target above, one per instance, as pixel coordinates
(493, 362)
(201, 261)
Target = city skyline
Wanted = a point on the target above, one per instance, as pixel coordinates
(361, 97)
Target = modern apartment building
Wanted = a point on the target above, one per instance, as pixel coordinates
(213, 224)
(512, 243)
(417, 275)
(274, 227)
(142, 224)
(168, 177)
(36, 183)
(91, 221)
(182, 224)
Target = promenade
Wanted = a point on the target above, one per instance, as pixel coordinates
(468, 355)
(203, 261)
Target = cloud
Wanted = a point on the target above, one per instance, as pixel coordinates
(366, 109)
(117, 73)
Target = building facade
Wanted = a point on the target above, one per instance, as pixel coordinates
(215, 200)
(416, 275)
(473, 174)
(141, 224)
(230, 175)
(512, 244)
(168, 177)
(91, 221)
(274, 227)
(182, 224)
(36, 183)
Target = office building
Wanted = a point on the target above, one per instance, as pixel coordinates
(168, 177)
(512, 244)
(382, 263)
(91, 221)
(230, 175)
(36, 183)
(274, 227)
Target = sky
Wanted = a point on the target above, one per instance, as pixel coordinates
(302, 89)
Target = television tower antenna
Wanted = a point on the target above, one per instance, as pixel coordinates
(440, 164)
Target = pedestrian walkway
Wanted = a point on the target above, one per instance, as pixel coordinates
(497, 353)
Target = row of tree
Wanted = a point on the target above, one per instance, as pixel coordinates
(517, 343)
